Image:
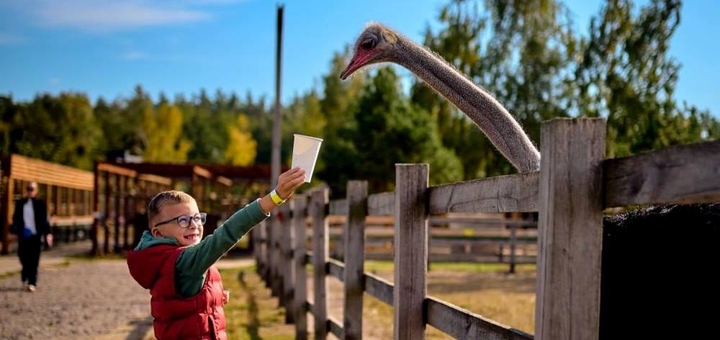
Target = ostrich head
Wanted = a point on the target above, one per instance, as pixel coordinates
(375, 45)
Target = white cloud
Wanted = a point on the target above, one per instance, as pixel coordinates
(216, 2)
(10, 39)
(134, 55)
(54, 81)
(113, 15)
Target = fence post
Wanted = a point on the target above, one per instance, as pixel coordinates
(255, 239)
(513, 246)
(277, 283)
(272, 269)
(320, 253)
(288, 268)
(570, 229)
(411, 243)
(264, 258)
(354, 251)
(300, 204)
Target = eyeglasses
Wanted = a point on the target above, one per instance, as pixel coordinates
(30, 188)
(183, 221)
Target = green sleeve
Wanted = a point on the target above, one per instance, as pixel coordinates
(193, 263)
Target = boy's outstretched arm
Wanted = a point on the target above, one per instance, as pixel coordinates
(194, 261)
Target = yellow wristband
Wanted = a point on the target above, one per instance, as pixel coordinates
(276, 198)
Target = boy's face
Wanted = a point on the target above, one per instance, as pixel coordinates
(185, 236)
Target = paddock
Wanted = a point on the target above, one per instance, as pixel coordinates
(572, 193)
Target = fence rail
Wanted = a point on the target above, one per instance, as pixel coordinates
(569, 193)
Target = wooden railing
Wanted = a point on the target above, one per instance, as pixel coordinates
(570, 192)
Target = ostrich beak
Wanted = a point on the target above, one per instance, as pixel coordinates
(360, 59)
(353, 66)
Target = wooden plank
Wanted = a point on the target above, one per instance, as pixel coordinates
(288, 268)
(320, 256)
(463, 324)
(276, 262)
(570, 229)
(155, 179)
(223, 180)
(116, 170)
(339, 207)
(513, 193)
(202, 172)
(381, 204)
(96, 212)
(411, 242)
(7, 207)
(681, 174)
(379, 288)
(31, 169)
(264, 262)
(334, 327)
(299, 251)
(476, 258)
(336, 269)
(354, 248)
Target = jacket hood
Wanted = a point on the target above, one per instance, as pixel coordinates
(148, 258)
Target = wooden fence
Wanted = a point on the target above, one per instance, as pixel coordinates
(570, 192)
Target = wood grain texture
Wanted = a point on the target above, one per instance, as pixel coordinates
(354, 255)
(513, 193)
(381, 204)
(320, 243)
(299, 260)
(462, 324)
(681, 174)
(379, 288)
(287, 265)
(411, 243)
(570, 230)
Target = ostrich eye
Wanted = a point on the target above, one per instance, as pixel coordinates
(368, 43)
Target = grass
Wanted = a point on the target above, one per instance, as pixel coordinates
(252, 313)
(485, 289)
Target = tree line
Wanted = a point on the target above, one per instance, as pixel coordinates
(527, 53)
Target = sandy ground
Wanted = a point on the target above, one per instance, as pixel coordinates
(82, 300)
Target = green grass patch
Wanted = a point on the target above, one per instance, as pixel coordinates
(252, 313)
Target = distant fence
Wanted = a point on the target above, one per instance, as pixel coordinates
(570, 192)
(479, 238)
(67, 191)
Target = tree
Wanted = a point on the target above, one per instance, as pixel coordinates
(242, 148)
(627, 76)
(338, 155)
(164, 140)
(390, 130)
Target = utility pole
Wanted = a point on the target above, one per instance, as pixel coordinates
(275, 167)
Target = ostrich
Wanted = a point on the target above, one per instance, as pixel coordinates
(378, 44)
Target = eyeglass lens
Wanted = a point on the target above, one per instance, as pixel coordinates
(184, 221)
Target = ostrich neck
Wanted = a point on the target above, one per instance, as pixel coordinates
(484, 110)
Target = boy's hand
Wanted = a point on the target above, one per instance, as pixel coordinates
(226, 297)
(289, 181)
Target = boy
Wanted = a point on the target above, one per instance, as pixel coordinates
(178, 268)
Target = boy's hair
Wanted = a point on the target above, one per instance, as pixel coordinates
(166, 198)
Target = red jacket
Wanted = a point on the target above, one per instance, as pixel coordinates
(175, 317)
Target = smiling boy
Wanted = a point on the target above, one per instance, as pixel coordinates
(177, 265)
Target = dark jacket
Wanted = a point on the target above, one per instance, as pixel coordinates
(42, 225)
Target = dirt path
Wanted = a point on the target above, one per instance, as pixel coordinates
(77, 299)
(81, 300)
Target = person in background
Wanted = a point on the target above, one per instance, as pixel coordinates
(32, 227)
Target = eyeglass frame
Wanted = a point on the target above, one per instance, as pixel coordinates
(191, 219)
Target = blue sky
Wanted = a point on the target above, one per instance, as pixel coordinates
(106, 47)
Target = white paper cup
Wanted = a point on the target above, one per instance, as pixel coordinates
(305, 153)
